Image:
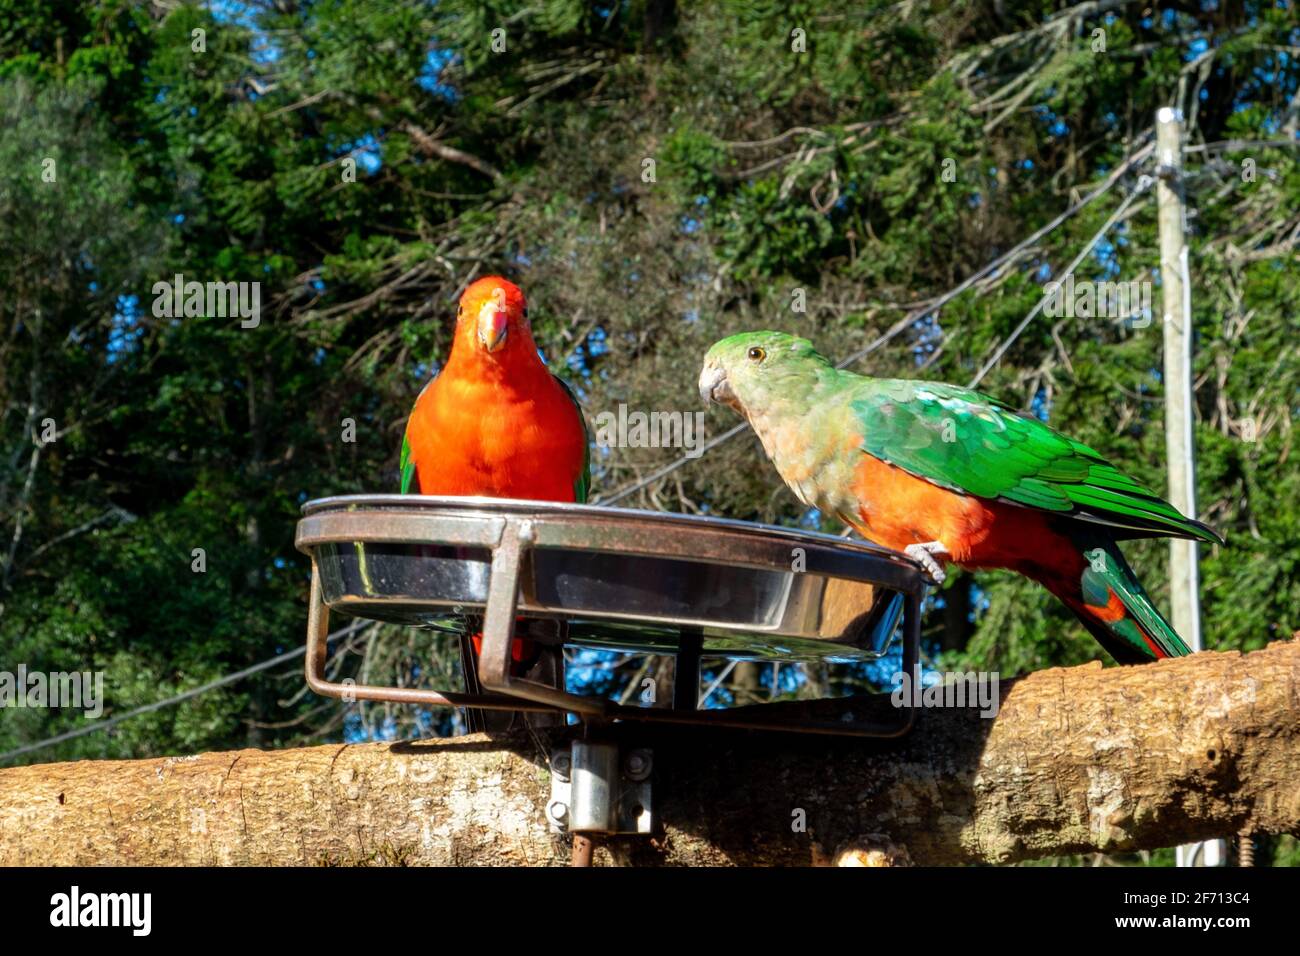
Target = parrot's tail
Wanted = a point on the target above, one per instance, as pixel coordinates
(1098, 585)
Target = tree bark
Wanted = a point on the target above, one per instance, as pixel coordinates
(1078, 759)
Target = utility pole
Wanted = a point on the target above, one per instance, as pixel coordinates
(1180, 448)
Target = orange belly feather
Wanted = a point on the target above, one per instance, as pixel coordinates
(897, 509)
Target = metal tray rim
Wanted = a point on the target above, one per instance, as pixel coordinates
(505, 506)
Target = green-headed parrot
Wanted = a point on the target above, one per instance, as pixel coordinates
(944, 473)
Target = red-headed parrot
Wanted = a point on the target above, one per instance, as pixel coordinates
(495, 423)
(943, 473)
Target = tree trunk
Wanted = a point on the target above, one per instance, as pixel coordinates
(1078, 759)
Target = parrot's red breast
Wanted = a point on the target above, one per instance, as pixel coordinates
(495, 422)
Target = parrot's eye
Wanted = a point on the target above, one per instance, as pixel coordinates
(525, 313)
(756, 354)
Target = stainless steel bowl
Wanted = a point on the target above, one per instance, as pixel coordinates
(618, 577)
(412, 559)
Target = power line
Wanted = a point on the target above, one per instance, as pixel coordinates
(672, 466)
(177, 699)
(912, 316)
(1225, 145)
(1008, 256)
(1143, 185)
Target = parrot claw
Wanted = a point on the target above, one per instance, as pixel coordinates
(927, 556)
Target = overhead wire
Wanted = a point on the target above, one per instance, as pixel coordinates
(927, 308)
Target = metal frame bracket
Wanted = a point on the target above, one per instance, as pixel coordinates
(598, 789)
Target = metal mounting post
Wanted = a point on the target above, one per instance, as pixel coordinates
(593, 791)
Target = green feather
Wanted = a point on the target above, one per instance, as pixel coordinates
(406, 466)
(582, 483)
(1108, 571)
(971, 443)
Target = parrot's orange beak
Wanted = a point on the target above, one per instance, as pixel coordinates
(493, 323)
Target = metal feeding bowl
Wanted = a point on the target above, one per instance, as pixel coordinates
(611, 578)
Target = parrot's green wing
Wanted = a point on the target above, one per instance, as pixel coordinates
(581, 484)
(965, 441)
(406, 466)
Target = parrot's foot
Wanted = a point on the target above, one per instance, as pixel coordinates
(928, 555)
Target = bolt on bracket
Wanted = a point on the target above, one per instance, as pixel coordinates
(594, 791)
